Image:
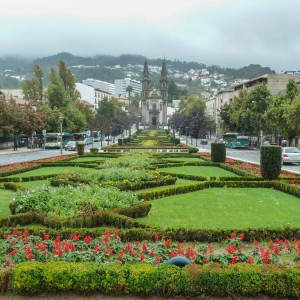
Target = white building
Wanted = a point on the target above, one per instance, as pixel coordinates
(101, 85)
(91, 94)
(122, 84)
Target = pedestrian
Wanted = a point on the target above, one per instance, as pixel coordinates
(39, 143)
(15, 146)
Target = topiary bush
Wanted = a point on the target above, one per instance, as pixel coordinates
(94, 150)
(218, 152)
(80, 148)
(193, 150)
(270, 162)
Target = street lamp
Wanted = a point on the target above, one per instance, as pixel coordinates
(61, 142)
(110, 135)
(260, 135)
(186, 130)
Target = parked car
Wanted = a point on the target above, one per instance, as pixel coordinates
(71, 145)
(88, 140)
(203, 142)
(290, 155)
(266, 143)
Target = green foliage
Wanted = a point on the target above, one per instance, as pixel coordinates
(66, 201)
(80, 148)
(270, 162)
(218, 152)
(193, 150)
(94, 150)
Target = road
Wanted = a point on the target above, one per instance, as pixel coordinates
(248, 155)
(21, 155)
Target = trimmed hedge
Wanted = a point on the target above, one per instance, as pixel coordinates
(162, 280)
(218, 152)
(270, 162)
(121, 218)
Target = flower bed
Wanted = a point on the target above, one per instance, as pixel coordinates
(21, 247)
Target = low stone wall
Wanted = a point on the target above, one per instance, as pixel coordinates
(6, 145)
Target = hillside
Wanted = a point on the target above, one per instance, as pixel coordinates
(23, 67)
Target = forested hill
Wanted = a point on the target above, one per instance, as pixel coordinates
(123, 60)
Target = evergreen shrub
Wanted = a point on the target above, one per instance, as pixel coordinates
(218, 152)
(270, 162)
(80, 148)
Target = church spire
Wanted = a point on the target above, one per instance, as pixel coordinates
(164, 80)
(145, 81)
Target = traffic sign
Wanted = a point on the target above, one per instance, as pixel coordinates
(279, 134)
(44, 131)
(88, 133)
(261, 133)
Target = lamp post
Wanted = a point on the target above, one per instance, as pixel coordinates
(61, 142)
(260, 135)
(186, 130)
(110, 134)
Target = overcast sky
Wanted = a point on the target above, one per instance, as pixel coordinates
(228, 33)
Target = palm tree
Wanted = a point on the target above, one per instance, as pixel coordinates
(129, 90)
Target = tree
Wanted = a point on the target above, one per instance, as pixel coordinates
(190, 105)
(129, 90)
(135, 101)
(101, 123)
(172, 91)
(85, 110)
(33, 88)
(68, 81)
(282, 112)
(56, 93)
(107, 107)
(16, 119)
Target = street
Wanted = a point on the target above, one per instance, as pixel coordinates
(248, 155)
(23, 154)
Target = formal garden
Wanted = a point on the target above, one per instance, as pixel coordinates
(147, 222)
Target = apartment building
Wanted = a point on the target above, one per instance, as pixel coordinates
(122, 84)
(100, 85)
(276, 83)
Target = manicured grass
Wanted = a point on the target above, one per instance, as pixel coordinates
(88, 159)
(5, 197)
(45, 171)
(185, 159)
(179, 182)
(199, 171)
(231, 208)
(35, 184)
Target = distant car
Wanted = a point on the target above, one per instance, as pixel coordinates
(88, 140)
(290, 155)
(203, 142)
(266, 143)
(71, 146)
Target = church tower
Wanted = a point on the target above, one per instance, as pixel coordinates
(164, 81)
(145, 81)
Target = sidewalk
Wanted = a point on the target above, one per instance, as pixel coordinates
(20, 150)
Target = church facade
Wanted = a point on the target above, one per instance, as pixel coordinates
(154, 101)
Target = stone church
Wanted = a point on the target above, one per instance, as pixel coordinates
(154, 101)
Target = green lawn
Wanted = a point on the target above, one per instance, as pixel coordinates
(185, 159)
(46, 171)
(88, 159)
(5, 197)
(232, 208)
(199, 171)
(179, 182)
(35, 184)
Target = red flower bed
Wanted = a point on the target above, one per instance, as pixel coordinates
(20, 247)
(17, 166)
